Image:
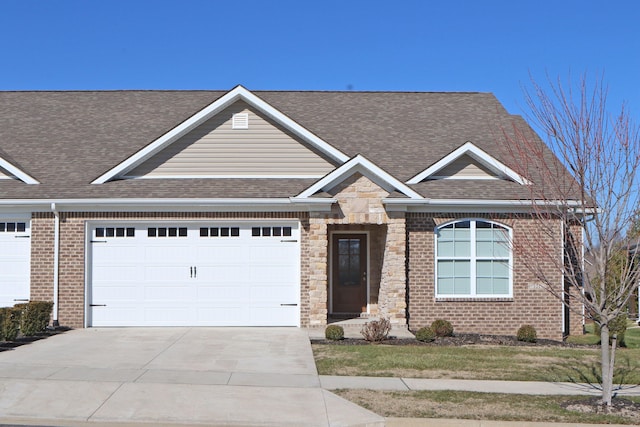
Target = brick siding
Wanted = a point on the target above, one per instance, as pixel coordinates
(531, 302)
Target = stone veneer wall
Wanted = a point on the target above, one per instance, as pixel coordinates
(359, 203)
(531, 303)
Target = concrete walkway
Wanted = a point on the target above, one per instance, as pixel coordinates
(178, 376)
(206, 376)
(511, 387)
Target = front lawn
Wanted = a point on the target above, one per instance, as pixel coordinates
(482, 362)
(482, 406)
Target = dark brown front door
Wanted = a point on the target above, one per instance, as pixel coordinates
(349, 273)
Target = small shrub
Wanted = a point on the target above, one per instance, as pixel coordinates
(425, 335)
(619, 326)
(334, 332)
(35, 317)
(442, 328)
(527, 333)
(376, 330)
(9, 323)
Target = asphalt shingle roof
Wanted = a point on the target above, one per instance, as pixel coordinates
(65, 140)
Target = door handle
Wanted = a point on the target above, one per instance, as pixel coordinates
(195, 272)
(191, 272)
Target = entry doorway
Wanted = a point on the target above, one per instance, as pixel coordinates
(349, 253)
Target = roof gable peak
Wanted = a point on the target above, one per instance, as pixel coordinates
(234, 95)
(359, 164)
(495, 167)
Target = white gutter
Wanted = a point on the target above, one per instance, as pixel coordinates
(289, 204)
(56, 262)
(475, 205)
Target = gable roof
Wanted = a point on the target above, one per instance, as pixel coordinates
(236, 94)
(359, 164)
(69, 139)
(469, 149)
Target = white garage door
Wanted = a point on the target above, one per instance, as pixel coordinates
(15, 255)
(185, 274)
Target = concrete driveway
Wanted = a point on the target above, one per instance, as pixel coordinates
(169, 376)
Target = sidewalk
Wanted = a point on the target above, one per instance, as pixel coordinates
(331, 382)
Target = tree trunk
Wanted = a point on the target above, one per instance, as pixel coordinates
(607, 366)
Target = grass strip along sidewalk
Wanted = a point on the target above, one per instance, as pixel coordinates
(556, 363)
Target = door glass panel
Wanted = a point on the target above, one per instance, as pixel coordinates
(349, 262)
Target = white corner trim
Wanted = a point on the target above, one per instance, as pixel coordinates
(237, 93)
(481, 156)
(21, 175)
(359, 164)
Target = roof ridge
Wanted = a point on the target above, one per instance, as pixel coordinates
(227, 90)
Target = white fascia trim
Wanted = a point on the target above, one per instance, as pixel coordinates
(481, 156)
(473, 205)
(468, 177)
(205, 114)
(224, 176)
(359, 164)
(289, 204)
(22, 176)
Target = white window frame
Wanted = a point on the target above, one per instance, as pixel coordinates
(473, 259)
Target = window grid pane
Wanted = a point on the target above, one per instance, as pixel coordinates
(473, 259)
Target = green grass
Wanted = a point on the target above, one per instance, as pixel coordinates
(632, 336)
(472, 362)
(472, 405)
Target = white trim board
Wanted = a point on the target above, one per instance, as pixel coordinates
(359, 164)
(18, 173)
(468, 148)
(236, 94)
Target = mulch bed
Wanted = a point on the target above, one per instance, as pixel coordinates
(456, 340)
(619, 406)
(10, 345)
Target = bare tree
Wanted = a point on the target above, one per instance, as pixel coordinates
(592, 207)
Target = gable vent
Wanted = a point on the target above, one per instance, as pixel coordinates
(240, 121)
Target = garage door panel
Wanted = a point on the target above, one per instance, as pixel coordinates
(220, 254)
(124, 292)
(106, 274)
(271, 274)
(173, 293)
(15, 266)
(221, 315)
(128, 253)
(223, 293)
(200, 278)
(168, 315)
(171, 252)
(220, 274)
(165, 273)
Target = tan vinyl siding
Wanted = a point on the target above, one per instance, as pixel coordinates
(464, 167)
(215, 149)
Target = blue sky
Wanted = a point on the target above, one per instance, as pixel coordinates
(489, 46)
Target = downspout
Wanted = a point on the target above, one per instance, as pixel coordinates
(56, 262)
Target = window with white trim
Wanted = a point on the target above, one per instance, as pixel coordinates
(473, 259)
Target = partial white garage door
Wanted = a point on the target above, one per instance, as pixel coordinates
(15, 255)
(186, 274)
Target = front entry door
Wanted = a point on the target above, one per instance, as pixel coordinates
(349, 273)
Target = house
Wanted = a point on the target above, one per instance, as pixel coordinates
(171, 208)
